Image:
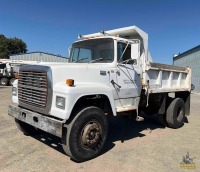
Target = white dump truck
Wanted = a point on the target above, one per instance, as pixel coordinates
(109, 73)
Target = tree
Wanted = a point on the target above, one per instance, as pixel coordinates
(10, 46)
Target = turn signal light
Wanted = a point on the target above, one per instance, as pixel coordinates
(70, 82)
(17, 76)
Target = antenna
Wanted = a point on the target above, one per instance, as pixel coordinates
(103, 32)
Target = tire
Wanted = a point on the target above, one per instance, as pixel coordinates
(4, 81)
(11, 81)
(26, 128)
(86, 134)
(175, 114)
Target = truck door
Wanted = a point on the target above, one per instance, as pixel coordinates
(128, 79)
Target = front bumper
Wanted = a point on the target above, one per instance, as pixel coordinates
(50, 125)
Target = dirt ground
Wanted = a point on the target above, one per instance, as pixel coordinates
(132, 146)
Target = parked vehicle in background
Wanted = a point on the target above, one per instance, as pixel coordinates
(7, 74)
(9, 70)
(109, 73)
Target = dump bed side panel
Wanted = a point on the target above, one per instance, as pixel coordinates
(166, 78)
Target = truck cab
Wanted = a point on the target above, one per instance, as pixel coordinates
(118, 63)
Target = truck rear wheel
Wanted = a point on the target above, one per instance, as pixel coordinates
(26, 128)
(175, 114)
(86, 134)
(4, 81)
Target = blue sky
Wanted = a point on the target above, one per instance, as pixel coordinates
(51, 26)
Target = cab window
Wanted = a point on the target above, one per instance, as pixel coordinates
(123, 52)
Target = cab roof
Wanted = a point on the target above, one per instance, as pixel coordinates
(131, 32)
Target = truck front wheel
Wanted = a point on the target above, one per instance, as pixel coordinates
(86, 134)
(175, 114)
(26, 128)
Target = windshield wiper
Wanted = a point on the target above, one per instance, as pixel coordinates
(99, 59)
(80, 59)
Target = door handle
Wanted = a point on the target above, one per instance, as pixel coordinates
(114, 83)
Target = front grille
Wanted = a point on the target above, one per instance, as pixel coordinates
(33, 88)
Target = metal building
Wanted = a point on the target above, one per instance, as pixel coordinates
(39, 56)
(191, 58)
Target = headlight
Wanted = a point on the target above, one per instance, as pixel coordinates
(14, 91)
(60, 102)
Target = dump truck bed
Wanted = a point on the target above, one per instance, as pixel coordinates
(166, 78)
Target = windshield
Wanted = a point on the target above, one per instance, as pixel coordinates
(93, 51)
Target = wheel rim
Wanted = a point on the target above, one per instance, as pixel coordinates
(91, 135)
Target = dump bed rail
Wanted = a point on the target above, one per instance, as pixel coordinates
(168, 67)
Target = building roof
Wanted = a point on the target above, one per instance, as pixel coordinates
(39, 52)
(187, 52)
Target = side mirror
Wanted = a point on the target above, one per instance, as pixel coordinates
(129, 61)
(135, 50)
(132, 61)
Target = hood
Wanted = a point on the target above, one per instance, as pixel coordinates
(81, 73)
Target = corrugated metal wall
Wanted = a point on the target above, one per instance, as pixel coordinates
(39, 56)
(192, 59)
